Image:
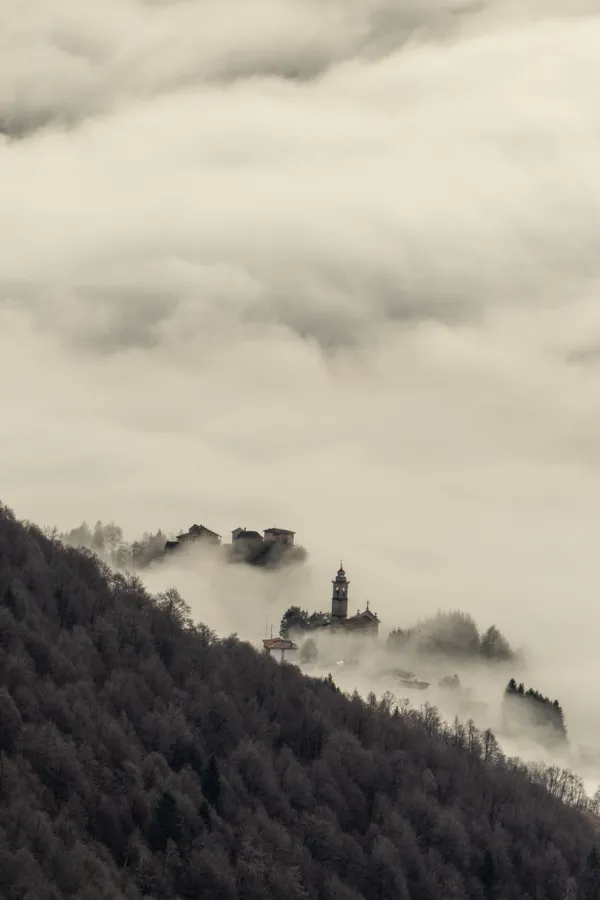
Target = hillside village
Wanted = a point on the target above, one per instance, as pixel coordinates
(303, 638)
(240, 537)
(363, 624)
(271, 549)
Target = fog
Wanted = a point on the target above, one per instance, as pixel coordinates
(330, 266)
(249, 601)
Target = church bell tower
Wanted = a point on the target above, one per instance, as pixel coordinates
(339, 599)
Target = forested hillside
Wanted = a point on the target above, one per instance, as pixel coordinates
(140, 756)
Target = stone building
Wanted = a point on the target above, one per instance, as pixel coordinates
(365, 622)
(195, 533)
(243, 538)
(279, 536)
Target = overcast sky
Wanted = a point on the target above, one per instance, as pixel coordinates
(330, 265)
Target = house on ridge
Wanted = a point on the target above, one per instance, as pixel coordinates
(244, 536)
(196, 533)
(278, 647)
(279, 536)
(201, 532)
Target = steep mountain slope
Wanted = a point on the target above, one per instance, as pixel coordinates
(142, 757)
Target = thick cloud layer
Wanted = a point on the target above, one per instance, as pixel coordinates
(327, 265)
(78, 59)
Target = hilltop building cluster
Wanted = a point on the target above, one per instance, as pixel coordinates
(241, 538)
(245, 542)
(364, 623)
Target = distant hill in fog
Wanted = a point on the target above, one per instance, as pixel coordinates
(453, 634)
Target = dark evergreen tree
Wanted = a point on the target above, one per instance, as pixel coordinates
(211, 783)
(165, 824)
(529, 709)
(300, 620)
(589, 885)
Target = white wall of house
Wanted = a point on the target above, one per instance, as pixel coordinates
(284, 655)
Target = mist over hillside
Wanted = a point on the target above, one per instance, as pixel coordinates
(142, 756)
(446, 660)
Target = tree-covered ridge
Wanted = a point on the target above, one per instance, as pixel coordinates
(107, 540)
(266, 554)
(299, 621)
(528, 708)
(143, 757)
(452, 633)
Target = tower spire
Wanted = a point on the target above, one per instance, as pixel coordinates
(339, 597)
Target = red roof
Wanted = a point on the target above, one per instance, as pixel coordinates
(278, 644)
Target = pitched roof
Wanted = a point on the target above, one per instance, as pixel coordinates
(278, 643)
(360, 620)
(366, 614)
(247, 535)
(197, 530)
